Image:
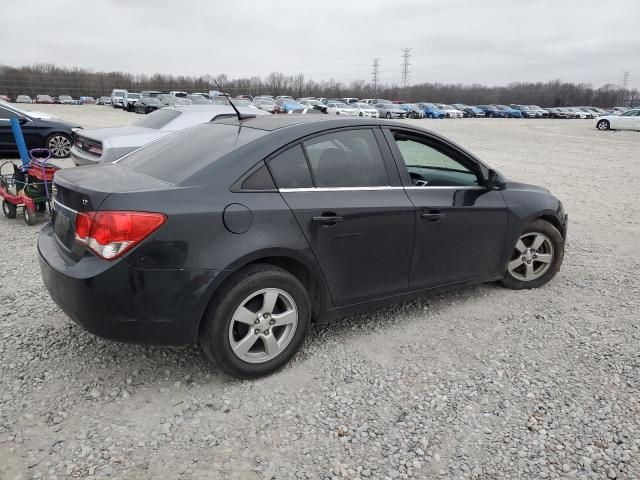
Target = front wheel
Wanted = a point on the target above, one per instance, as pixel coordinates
(9, 209)
(388, 115)
(257, 322)
(536, 257)
(603, 125)
(29, 216)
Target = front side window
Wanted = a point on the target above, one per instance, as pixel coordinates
(430, 167)
(346, 159)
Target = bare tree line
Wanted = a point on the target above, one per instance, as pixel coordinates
(53, 80)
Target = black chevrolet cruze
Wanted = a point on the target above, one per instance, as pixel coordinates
(238, 233)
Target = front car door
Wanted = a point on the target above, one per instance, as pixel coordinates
(460, 224)
(347, 198)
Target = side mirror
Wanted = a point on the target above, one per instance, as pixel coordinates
(494, 181)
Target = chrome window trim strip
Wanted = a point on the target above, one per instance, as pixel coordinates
(57, 203)
(366, 189)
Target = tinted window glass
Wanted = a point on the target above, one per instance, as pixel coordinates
(347, 159)
(177, 157)
(259, 180)
(157, 119)
(290, 169)
(430, 167)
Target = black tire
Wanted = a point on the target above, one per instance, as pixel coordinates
(29, 216)
(59, 144)
(603, 125)
(554, 236)
(388, 115)
(9, 209)
(214, 332)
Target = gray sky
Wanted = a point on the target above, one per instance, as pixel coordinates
(454, 41)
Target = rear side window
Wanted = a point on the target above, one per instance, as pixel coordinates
(290, 169)
(346, 159)
(157, 119)
(178, 156)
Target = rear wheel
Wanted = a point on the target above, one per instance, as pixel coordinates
(603, 125)
(388, 115)
(29, 216)
(257, 322)
(536, 257)
(9, 209)
(59, 144)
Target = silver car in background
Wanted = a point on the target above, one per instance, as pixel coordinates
(103, 145)
(390, 110)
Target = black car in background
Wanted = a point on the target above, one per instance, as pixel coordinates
(45, 132)
(147, 105)
(492, 111)
(238, 233)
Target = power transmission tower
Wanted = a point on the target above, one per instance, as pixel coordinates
(375, 72)
(406, 55)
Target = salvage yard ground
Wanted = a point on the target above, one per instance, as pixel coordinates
(483, 382)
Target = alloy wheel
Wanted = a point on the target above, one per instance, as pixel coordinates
(263, 325)
(532, 257)
(59, 145)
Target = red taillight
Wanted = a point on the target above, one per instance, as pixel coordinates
(110, 234)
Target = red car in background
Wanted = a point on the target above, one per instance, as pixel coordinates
(44, 99)
(6, 98)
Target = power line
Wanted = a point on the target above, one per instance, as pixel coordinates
(375, 72)
(406, 55)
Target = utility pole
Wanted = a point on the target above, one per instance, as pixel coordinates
(625, 84)
(406, 55)
(375, 72)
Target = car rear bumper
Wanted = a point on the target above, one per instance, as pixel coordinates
(81, 157)
(120, 302)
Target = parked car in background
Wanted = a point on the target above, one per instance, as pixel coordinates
(349, 100)
(554, 112)
(287, 104)
(620, 109)
(413, 110)
(449, 111)
(540, 112)
(103, 100)
(629, 120)
(170, 100)
(5, 98)
(284, 97)
(265, 103)
(44, 99)
(579, 113)
(199, 100)
(249, 98)
(509, 112)
(365, 110)
(176, 93)
(147, 105)
(468, 111)
(86, 100)
(24, 99)
(118, 96)
(130, 100)
(65, 100)
(39, 130)
(390, 110)
(150, 93)
(164, 253)
(492, 111)
(340, 108)
(430, 110)
(526, 111)
(103, 145)
(312, 103)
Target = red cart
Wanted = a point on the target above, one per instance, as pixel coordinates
(28, 188)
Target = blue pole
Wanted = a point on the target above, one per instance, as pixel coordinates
(22, 147)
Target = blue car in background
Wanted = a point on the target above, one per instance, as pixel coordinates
(492, 111)
(431, 111)
(413, 110)
(509, 112)
(288, 105)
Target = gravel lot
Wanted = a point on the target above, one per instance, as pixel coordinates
(480, 383)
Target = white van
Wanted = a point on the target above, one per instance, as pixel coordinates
(118, 98)
(179, 94)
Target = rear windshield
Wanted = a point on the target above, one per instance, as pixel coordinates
(157, 119)
(181, 155)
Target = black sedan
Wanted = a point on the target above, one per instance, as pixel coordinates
(147, 105)
(39, 131)
(239, 233)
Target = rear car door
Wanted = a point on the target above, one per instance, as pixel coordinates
(460, 224)
(347, 198)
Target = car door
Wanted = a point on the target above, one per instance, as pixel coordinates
(460, 224)
(626, 121)
(347, 198)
